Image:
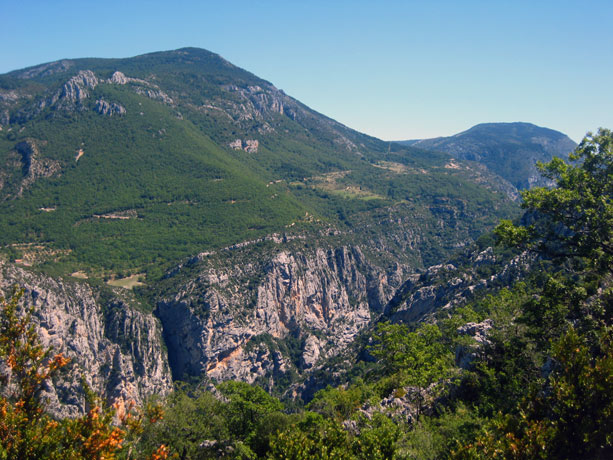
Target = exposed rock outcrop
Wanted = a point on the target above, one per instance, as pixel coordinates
(443, 286)
(71, 96)
(465, 354)
(404, 405)
(119, 78)
(33, 166)
(154, 93)
(116, 348)
(231, 321)
(249, 145)
(76, 89)
(109, 108)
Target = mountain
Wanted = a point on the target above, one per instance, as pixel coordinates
(115, 164)
(267, 235)
(510, 150)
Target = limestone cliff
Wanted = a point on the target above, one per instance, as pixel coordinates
(116, 348)
(446, 285)
(256, 313)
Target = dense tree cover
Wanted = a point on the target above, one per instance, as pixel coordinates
(575, 218)
(562, 346)
(420, 357)
(170, 166)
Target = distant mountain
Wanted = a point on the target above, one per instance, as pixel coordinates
(510, 150)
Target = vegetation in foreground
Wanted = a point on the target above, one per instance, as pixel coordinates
(538, 384)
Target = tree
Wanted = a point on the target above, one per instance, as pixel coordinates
(420, 356)
(571, 419)
(574, 218)
(569, 410)
(26, 430)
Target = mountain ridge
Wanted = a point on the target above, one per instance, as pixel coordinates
(220, 135)
(507, 149)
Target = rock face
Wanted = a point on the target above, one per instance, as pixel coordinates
(72, 94)
(33, 166)
(119, 78)
(404, 405)
(445, 285)
(249, 145)
(240, 321)
(257, 310)
(109, 108)
(116, 348)
(154, 93)
(465, 355)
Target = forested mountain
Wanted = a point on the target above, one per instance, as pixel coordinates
(279, 252)
(510, 150)
(136, 163)
(267, 235)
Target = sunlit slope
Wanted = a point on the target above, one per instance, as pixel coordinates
(137, 163)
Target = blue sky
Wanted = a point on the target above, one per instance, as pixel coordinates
(392, 69)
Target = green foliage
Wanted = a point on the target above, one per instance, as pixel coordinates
(434, 437)
(554, 356)
(419, 356)
(327, 439)
(580, 403)
(169, 166)
(340, 403)
(189, 419)
(27, 431)
(572, 419)
(575, 218)
(248, 407)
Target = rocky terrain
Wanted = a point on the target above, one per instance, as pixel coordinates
(113, 346)
(237, 320)
(271, 312)
(454, 283)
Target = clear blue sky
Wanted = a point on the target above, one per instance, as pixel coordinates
(392, 69)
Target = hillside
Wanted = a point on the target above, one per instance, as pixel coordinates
(134, 164)
(510, 150)
(264, 282)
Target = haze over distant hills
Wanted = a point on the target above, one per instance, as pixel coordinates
(510, 150)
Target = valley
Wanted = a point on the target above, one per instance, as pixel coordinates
(176, 222)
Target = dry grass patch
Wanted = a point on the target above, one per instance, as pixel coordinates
(127, 283)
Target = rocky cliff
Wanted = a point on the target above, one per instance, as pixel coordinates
(456, 283)
(116, 348)
(273, 311)
(270, 309)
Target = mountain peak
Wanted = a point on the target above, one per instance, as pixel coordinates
(511, 150)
